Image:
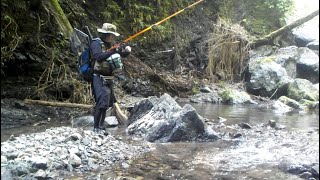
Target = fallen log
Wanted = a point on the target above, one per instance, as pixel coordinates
(268, 40)
(58, 104)
(121, 117)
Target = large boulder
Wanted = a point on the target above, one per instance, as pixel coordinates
(267, 78)
(303, 37)
(287, 58)
(308, 65)
(163, 120)
(303, 89)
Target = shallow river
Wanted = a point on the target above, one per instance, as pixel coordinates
(260, 153)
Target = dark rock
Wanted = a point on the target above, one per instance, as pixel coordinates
(308, 65)
(163, 120)
(315, 170)
(237, 135)
(205, 90)
(20, 105)
(272, 123)
(305, 175)
(313, 45)
(22, 169)
(245, 125)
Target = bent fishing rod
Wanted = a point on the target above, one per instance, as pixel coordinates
(150, 27)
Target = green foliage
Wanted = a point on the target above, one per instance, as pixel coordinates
(139, 15)
(260, 17)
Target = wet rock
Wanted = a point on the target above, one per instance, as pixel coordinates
(205, 89)
(280, 108)
(272, 123)
(82, 121)
(111, 121)
(163, 120)
(20, 105)
(237, 135)
(245, 125)
(232, 96)
(290, 102)
(302, 89)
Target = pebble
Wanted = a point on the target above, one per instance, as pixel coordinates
(63, 149)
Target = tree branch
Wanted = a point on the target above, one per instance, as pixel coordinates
(269, 38)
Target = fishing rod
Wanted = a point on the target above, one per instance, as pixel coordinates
(150, 27)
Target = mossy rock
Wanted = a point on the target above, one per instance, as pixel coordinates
(290, 102)
(303, 89)
(235, 97)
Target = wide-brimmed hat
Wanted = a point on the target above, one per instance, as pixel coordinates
(108, 28)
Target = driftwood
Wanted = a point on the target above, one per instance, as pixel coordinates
(121, 117)
(59, 104)
(269, 38)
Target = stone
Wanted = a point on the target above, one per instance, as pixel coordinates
(39, 162)
(245, 125)
(111, 121)
(74, 160)
(4, 159)
(40, 174)
(302, 89)
(163, 120)
(76, 136)
(205, 89)
(272, 123)
(267, 78)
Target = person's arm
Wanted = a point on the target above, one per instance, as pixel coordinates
(97, 53)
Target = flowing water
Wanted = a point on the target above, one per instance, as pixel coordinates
(260, 153)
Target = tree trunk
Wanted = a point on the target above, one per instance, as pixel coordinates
(269, 38)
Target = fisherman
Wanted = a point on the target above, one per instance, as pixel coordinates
(107, 66)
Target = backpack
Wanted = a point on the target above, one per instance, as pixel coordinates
(80, 45)
(86, 64)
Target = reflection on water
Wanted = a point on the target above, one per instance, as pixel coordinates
(254, 115)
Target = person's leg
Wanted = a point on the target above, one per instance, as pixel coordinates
(106, 98)
(100, 99)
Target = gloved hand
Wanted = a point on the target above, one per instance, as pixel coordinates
(123, 48)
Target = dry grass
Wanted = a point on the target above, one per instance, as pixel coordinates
(227, 51)
(59, 77)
